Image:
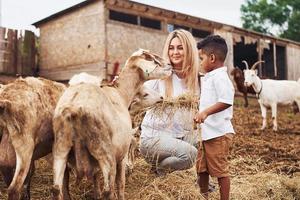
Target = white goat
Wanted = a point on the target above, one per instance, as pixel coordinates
(271, 92)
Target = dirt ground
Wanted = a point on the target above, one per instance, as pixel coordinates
(264, 165)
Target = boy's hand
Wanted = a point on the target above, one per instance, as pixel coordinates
(218, 107)
(200, 117)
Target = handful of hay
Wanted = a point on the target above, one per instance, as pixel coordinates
(169, 106)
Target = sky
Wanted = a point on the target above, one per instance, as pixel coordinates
(20, 14)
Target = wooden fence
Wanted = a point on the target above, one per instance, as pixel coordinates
(18, 52)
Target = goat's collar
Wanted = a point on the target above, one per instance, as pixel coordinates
(261, 87)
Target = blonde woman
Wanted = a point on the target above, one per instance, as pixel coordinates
(169, 144)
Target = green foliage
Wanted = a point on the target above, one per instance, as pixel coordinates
(273, 17)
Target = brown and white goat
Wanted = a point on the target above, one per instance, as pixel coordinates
(239, 79)
(26, 111)
(143, 99)
(98, 121)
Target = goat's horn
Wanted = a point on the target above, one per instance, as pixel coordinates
(255, 64)
(247, 66)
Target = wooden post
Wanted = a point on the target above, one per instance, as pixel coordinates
(106, 16)
(2, 48)
(28, 56)
(259, 57)
(275, 59)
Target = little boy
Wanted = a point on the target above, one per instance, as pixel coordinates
(215, 113)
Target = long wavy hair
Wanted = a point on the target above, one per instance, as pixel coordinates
(190, 63)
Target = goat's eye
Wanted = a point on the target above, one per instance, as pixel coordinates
(145, 95)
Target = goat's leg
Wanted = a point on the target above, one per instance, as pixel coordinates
(297, 106)
(61, 149)
(264, 115)
(274, 116)
(24, 157)
(246, 99)
(28, 181)
(97, 185)
(120, 179)
(7, 159)
(66, 184)
(107, 164)
(109, 175)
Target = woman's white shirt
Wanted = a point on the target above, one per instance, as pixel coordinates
(177, 125)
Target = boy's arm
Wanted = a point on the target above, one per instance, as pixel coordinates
(218, 107)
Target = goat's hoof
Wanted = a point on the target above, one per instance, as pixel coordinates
(13, 194)
(107, 195)
(55, 192)
(26, 197)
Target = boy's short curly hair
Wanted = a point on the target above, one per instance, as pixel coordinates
(214, 44)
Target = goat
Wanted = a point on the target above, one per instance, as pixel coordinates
(239, 79)
(145, 98)
(272, 92)
(26, 109)
(98, 121)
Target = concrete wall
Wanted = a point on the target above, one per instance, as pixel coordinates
(124, 39)
(73, 43)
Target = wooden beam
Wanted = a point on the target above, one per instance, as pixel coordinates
(140, 8)
(193, 20)
(274, 59)
(180, 16)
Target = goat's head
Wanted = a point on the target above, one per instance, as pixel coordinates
(237, 73)
(144, 98)
(250, 74)
(150, 65)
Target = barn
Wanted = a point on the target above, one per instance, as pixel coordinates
(98, 36)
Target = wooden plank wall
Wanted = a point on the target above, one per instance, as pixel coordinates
(18, 52)
(293, 62)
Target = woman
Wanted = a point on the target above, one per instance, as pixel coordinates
(169, 144)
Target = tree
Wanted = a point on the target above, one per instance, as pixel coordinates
(274, 17)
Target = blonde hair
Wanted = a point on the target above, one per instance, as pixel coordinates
(190, 64)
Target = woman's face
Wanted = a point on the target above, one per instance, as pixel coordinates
(176, 53)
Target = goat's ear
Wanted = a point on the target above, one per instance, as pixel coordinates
(255, 71)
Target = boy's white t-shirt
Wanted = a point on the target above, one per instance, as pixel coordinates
(180, 124)
(216, 87)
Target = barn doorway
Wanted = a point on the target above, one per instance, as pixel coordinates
(269, 69)
(244, 51)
